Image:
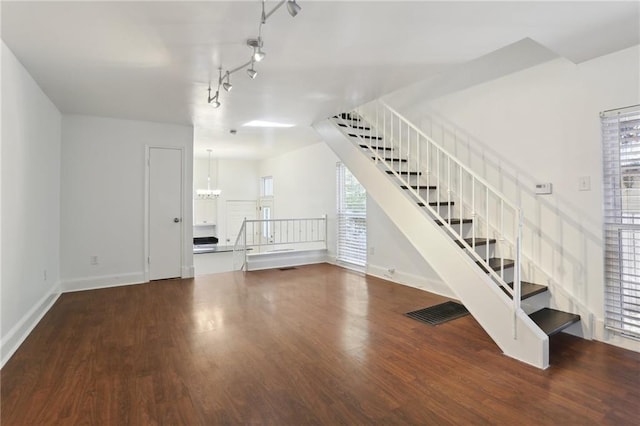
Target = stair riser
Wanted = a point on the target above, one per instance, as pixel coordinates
(444, 210)
(482, 250)
(466, 230)
(507, 275)
(537, 302)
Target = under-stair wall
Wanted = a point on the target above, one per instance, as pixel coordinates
(514, 332)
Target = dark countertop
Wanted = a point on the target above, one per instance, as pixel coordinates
(211, 248)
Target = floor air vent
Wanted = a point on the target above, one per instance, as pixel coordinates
(439, 314)
(288, 268)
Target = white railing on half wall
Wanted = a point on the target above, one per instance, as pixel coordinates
(387, 135)
(258, 236)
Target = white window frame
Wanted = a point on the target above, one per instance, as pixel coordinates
(621, 190)
(352, 219)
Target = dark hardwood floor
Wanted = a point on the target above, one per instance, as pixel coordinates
(312, 345)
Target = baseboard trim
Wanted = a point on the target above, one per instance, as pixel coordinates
(188, 271)
(104, 281)
(18, 333)
(411, 280)
(609, 337)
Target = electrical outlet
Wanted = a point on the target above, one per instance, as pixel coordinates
(44, 274)
(372, 251)
(93, 260)
(584, 183)
(391, 271)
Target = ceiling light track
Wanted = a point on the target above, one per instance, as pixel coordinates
(257, 54)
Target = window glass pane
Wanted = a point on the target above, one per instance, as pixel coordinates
(621, 173)
(266, 187)
(352, 218)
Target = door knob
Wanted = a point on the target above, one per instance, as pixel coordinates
(176, 220)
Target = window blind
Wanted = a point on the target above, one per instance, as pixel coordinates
(621, 187)
(352, 218)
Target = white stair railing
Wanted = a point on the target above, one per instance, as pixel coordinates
(240, 248)
(272, 235)
(402, 149)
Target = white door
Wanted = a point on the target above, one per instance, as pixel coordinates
(265, 209)
(237, 211)
(165, 213)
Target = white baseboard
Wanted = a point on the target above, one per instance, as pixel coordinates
(18, 333)
(612, 338)
(104, 281)
(188, 271)
(411, 280)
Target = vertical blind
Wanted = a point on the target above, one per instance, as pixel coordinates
(352, 218)
(621, 179)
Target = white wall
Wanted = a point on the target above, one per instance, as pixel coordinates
(103, 175)
(304, 185)
(391, 256)
(30, 203)
(542, 125)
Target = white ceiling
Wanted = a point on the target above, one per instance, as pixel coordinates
(154, 60)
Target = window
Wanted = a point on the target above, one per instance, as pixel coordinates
(352, 218)
(621, 174)
(266, 186)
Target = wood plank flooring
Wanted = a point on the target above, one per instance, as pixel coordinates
(316, 345)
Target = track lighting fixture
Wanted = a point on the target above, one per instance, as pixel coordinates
(257, 54)
(293, 7)
(214, 100)
(251, 72)
(227, 84)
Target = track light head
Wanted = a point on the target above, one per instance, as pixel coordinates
(258, 55)
(251, 72)
(215, 99)
(293, 8)
(227, 86)
(256, 44)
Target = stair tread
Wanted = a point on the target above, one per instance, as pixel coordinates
(495, 262)
(437, 203)
(389, 172)
(528, 289)
(402, 160)
(479, 241)
(385, 148)
(353, 135)
(416, 187)
(354, 127)
(347, 116)
(453, 221)
(553, 321)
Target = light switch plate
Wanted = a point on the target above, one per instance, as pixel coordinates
(543, 188)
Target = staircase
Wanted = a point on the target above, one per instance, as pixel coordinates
(466, 230)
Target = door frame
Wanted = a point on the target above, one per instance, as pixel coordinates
(147, 231)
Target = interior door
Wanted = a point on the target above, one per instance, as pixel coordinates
(165, 213)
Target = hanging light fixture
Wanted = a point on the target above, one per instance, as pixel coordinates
(257, 54)
(207, 194)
